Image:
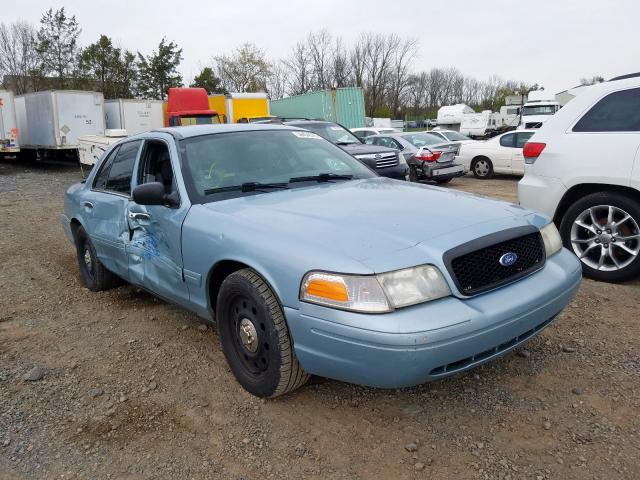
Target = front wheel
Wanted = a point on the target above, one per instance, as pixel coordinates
(603, 230)
(255, 338)
(482, 167)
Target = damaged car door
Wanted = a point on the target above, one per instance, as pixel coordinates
(102, 208)
(154, 246)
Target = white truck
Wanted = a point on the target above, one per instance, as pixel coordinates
(450, 116)
(51, 122)
(8, 125)
(479, 125)
(134, 116)
(539, 107)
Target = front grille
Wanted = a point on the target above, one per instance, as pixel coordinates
(479, 357)
(387, 160)
(533, 125)
(480, 269)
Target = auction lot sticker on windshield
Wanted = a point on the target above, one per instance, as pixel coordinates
(307, 135)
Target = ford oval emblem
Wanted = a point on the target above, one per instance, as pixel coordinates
(508, 259)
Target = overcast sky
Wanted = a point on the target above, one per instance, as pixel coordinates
(553, 43)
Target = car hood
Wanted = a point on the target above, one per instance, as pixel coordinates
(362, 219)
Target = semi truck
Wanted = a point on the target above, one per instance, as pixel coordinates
(9, 144)
(539, 107)
(189, 106)
(51, 122)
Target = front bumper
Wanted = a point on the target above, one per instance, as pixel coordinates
(398, 172)
(435, 339)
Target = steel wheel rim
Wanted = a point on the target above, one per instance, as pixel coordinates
(250, 339)
(605, 238)
(88, 263)
(482, 168)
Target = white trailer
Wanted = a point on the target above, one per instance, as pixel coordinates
(134, 116)
(450, 116)
(51, 122)
(8, 124)
(478, 125)
(91, 147)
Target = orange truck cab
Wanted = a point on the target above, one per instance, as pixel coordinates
(189, 106)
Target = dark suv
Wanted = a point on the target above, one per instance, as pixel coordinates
(386, 162)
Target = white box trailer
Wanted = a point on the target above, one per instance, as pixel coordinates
(52, 121)
(91, 147)
(479, 125)
(450, 116)
(134, 116)
(8, 124)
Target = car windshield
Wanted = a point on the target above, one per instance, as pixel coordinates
(214, 164)
(539, 110)
(332, 132)
(422, 139)
(455, 136)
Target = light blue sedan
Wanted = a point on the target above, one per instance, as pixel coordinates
(311, 264)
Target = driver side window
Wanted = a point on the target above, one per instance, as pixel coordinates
(155, 166)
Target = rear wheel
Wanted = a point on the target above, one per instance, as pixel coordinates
(95, 276)
(603, 230)
(255, 338)
(482, 167)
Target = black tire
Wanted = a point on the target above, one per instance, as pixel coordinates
(482, 167)
(599, 203)
(255, 338)
(95, 276)
(443, 180)
(413, 174)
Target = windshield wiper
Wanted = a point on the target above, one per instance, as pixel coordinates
(347, 143)
(322, 177)
(245, 187)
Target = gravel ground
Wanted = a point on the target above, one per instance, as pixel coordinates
(122, 385)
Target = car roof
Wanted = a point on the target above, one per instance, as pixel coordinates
(198, 130)
(308, 122)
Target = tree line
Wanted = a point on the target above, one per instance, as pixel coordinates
(49, 56)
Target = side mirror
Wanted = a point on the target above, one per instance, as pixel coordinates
(152, 193)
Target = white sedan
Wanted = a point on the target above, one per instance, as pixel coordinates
(500, 154)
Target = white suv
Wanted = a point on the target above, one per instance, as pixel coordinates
(583, 170)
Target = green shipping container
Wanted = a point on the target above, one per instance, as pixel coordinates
(342, 105)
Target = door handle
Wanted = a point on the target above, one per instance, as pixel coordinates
(88, 205)
(139, 216)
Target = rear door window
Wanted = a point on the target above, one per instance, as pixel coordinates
(508, 140)
(100, 183)
(617, 112)
(121, 170)
(522, 138)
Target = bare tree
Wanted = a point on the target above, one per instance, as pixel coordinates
(341, 67)
(18, 56)
(277, 81)
(299, 69)
(245, 70)
(403, 55)
(320, 52)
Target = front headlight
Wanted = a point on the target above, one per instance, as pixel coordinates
(551, 239)
(374, 293)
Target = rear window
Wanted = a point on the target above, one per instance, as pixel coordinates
(617, 112)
